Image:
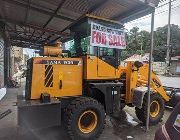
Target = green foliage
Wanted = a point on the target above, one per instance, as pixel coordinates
(140, 52)
(71, 47)
(84, 44)
(141, 39)
(136, 40)
(161, 39)
(124, 54)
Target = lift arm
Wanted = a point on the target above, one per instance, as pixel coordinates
(156, 84)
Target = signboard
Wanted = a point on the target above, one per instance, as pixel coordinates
(104, 36)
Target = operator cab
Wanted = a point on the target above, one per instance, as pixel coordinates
(98, 41)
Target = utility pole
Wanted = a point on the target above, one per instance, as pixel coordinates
(168, 38)
(150, 69)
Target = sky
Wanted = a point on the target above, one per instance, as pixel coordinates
(161, 17)
(29, 52)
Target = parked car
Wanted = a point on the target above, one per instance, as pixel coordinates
(171, 129)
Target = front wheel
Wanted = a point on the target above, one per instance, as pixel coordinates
(156, 109)
(85, 118)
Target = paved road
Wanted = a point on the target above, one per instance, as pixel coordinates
(170, 81)
(116, 129)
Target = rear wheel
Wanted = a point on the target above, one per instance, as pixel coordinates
(156, 109)
(85, 118)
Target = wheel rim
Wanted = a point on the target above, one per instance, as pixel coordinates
(154, 108)
(87, 121)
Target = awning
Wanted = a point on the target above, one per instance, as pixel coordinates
(31, 23)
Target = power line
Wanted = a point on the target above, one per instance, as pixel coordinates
(168, 38)
(156, 13)
(165, 4)
(167, 10)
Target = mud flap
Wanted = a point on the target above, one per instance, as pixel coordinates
(138, 95)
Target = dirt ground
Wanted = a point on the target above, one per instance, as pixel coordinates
(126, 127)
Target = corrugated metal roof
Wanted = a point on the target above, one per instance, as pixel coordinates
(35, 22)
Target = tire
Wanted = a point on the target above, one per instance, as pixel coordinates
(156, 109)
(84, 119)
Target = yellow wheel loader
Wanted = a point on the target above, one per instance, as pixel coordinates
(85, 87)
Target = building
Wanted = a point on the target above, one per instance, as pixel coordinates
(175, 65)
(25, 58)
(16, 59)
(17, 53)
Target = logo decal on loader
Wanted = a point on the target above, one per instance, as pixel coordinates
(61, 62)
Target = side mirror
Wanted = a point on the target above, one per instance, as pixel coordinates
(138, 64)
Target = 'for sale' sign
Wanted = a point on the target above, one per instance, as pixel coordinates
(104, 36)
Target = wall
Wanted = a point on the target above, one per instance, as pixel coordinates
(17, 59)
(159, 67)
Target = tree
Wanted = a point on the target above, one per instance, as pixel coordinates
(71, 47)
(141, 39)
(124, 54)
(161, 39)
(135, 42)
(132, 40)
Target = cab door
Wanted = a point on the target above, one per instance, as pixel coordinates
(107, 62)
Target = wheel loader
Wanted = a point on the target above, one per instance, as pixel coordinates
(86, 86)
